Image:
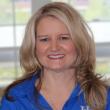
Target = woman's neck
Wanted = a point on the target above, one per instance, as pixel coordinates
(62, 80)
(57, 87)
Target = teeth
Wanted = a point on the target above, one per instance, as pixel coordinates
(56, 56)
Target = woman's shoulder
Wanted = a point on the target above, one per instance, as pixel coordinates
(14, 93)
(24, 87)
(18, 92)
(108, 99)
(108, 93)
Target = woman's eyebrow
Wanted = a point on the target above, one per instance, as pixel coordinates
(64, 34)
(39, 36)
(42, 36)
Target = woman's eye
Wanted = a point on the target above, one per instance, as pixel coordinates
(64, 38)
(44, 39)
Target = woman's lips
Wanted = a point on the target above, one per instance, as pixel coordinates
(56, 56)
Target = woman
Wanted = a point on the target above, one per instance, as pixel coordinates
(58, 57)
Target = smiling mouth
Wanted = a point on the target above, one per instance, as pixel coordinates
(55, 57)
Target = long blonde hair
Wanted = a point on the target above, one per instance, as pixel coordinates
(94, 88)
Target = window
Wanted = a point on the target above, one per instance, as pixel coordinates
(14, 14)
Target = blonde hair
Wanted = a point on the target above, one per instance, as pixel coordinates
(94, 89)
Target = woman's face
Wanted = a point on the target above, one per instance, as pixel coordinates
(54, 47)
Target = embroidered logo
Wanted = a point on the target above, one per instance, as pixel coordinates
(85, 108)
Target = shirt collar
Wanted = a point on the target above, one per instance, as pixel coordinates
(76, 91)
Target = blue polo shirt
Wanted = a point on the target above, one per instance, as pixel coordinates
(24, 98)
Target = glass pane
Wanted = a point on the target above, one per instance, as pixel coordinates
(7, 65)
(101, 31)
(22, 11)
(6, 12)
(94, 12)
(103, 66)
(90, 10)
(6, 36)
(20, 29)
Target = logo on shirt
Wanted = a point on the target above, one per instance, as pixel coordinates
(85, 108)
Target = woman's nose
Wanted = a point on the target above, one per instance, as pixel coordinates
(54, 45)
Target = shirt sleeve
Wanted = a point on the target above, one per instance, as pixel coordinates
(6, 105)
